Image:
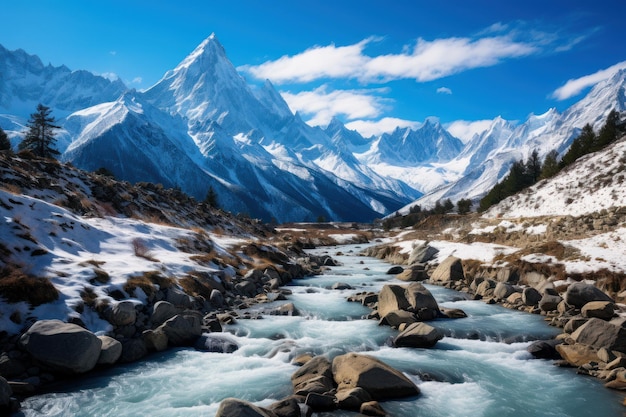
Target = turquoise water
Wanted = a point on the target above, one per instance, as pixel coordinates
(471, 372)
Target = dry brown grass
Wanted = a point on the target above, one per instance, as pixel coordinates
(100, 276)
(141, 250)
(11, 188)
(148, 283)
(15, 286)
(199, 284)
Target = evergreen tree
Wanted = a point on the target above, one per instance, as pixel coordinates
(608, 133)
(448, 206)
(533, 168)
(550, 165)
(464, 205)
(211, 198)
(40, 136)
(5, 143)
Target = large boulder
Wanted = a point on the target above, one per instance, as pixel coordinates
(155, 340)
(415, 272)
(549, 302)
(421, 301)
(397, 317)
(599, 334)
(503, 290)
(287, 407)
(577, 355)
(422, 252)
(110, 351)
(314, 376)
(486, 288)
(507, 275)
(578, 294)
(182, 329)
(351, 399)
(544, 349)
(5, 394)
(232, 407)
(216, 343)
(451, 269)
(395, 270)
(62, 346)
(123, 313)
(163, 311)
(530, 296)
(391, 298)
(599, 309)
(381, 381)
(418, 335)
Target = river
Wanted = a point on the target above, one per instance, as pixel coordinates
(470, 372)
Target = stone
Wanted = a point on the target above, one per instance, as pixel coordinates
(5, 393)
(503, 290)
(549, 302)
(162, 311)
(486, 288)
(320, 402)
(413, 273)
(178, 298)
(182, 329)
(341, 286)
(451, 269)
(421, 301)
(155, 340)
(217, 298)
(391, 298)
(544, 349)
(287, 407)
(288, 309)
(62, 346)
(452, 313)
(578, 294)
(422, 252)
(577, 355)
(123, 313)
(601, 334)
(110, 351)
(232, 407)
(531, 297)
(314, 376)
(9, 366)
(604, 310)
(395, 270)
(397, 317)
(573, 324)
(507, 275)
(351, 399)
(133, 350)
(418, 335)
(377, 378)
(215, 343)
(372, 408)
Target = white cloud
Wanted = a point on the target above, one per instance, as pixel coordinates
(111, 76)
(575, 86)
(444, 90)
(323, 105)
(369, 128)
(137, 80)
(426, 61)
(465, 130)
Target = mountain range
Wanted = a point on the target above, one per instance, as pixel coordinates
(202, 126)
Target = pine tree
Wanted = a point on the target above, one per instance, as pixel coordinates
(533, 168)
(211, 198)
(5, 143)
(550, 165)
(40, 136)
(464, 205)
(608, 133)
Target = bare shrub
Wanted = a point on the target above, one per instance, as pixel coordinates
(16, 286)
(141, 250)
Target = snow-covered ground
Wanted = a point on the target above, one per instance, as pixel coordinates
(76, 246)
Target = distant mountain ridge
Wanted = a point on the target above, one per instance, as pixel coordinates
(203, 126)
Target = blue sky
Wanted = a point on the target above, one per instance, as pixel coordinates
(372, 64)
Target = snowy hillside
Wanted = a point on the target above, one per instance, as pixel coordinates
(594, 183)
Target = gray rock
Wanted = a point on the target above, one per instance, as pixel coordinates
(549, 302)
(486, 288)
(503, 290)
(451, 269)
(110, 351)
(287, 407)
(155, 340)
(416, 272)
(314, 376)
(544, 349)
(232, 407)
(133, 350)
(178, 298)
(62, 346)
(418, 335)
(216, 298)
(421, 301)
(163, 311)
(182, 329)
(376, 377)
(507, 275)
(351, 399)
(9, 366)
(5, 393)
(599, 334)
(574, 323)
(395, 270)
(215, 343)
(341, 286)
(578, 294)
(531, 297)
(320, 402)
(604, 310)
(391, 298)
(372, 408)
(422, 252)
(246, 288)
(397, 317)
(123, 313)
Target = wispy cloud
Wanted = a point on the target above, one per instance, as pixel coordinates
(322, 105)
(574, 86)
(368, 128)
(424, 61)
(111, 76)
(444, 90)
(465, 130)
(137, 80)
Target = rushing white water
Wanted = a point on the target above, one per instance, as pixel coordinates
(472, 371)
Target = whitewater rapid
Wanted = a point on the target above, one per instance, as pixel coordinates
(481, 368)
